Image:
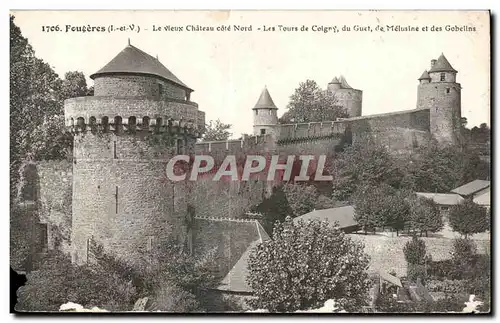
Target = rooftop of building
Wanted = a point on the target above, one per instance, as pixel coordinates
(265, 101)
(343, 216)
(442, 65)
(442, 198)
(424, 76)
(132, 60)
(472, 187)
(342, 81)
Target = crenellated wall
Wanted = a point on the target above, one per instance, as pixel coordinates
(142, 112)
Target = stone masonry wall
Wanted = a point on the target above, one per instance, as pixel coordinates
(111, 107)
(137, 86)
(55, 193)
(121, 195)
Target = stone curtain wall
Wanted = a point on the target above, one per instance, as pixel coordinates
(387, 252)
(56, 179)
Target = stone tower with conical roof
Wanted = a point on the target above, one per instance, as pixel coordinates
(439, 92)
(265, 115)
(346, 96)
(139, 117)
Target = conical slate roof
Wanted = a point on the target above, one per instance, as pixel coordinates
(343, 83)
(425, 76)
(442, 65)
(265, 101)
(133, 60)
(335, 81)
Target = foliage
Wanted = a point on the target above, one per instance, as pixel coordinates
(379, 206)
(387, 304)
(217, 131)
(434, 168)
(74, 85)
(447, 286)
(275, 208)
(51, 140)
(306, 264)
(171, 298)
(468, 218)
(58, 281)
(415, 251)
(324, 202)
(424, 215)
(301, 198)
(170, 268)
(310, 103)
(362, 164)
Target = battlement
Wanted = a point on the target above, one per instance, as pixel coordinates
(111, 114)
(223, 219)
(310, 130)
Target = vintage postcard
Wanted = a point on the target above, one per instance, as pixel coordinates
(250, 161)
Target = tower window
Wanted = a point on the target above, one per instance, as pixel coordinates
(116, 200)
(270, 112)
(180, 146)
(448, 90)
(114, 150)
(43, 237)
(262, 131)
(160, 89)
(256, 112)
(150, 243)
(442, 77)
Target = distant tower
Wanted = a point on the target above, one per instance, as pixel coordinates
(265, 116)
(439, 92)
(141, 116)
(347, 97)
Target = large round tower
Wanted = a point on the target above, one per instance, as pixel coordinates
(346, 96)
(140, 116)
(439, 92)
(265, 116)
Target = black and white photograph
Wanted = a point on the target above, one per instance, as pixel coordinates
(253, 162)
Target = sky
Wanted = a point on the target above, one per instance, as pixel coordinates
(229, 69)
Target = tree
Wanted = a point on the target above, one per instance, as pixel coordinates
(380, 206)
(364, 163)
(74, 85)
(306, 264)
(51, 140)
(301, 198)
(425, 215)
(217, 131)
(441, 169)
(58, 281)
(416, 257)
(275, 208)
(310, 103)
(468, 218)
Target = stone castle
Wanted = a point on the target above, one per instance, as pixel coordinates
(115, 190)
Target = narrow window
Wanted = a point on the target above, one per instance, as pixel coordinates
(270, 112)
(256, 112)
(262, 131)
(180, 146)
(114, 150)
(150, 244)
(42, 237)
(442, 77)
(160, 90)
(448, 90)
(116, 199)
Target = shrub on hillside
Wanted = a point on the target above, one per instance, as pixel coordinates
(58, 281)
(304, 265)
(468, 218)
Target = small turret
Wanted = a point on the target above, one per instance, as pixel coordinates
(442, 71)
(346, 96)
(425, 78)
(265, 114)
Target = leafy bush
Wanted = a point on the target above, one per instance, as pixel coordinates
(468, 218)
(415, 251)
(306, 264)
(171, 298)
(58, 281)
(447, 286)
